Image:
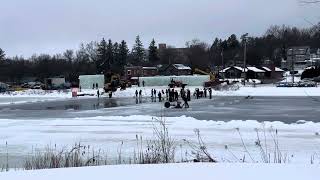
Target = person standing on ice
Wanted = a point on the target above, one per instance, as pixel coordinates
(188, 95)
(210, 93)
(136, 94)
(140, 93)
(159, 96)
(143, 83)
(197, 93)
(176, 96)
(155, 94)
(98, 93)
(167, 94)
(205, 92)
(185, 99)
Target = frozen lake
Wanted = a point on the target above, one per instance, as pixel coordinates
(220, 108)
(105, 123)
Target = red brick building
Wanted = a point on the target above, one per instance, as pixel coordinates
(139, 71)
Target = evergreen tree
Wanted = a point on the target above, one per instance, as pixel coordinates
(110, 55)
(138, 51)
(2, 55)
(123, 54)
(153, 52)
(116, 52)
(116, 64)
(102, 59)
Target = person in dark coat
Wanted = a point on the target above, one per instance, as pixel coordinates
(185, 99)
(170, 96)
(182, 93)
(143, 83)
(159, 96)
(98, 93)
(167, 94)
(197, 93)
(205, 92)
(152, 95)
(176, 96)
(188, 95)
(137, 93)
(140, 93)
(155, 93)
(210, 93)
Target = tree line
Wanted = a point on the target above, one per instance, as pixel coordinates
(107, 56)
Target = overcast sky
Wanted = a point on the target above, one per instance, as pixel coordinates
(52, 26)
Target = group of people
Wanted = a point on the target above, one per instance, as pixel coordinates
(173, 95)
(199, 94)
(154, 95)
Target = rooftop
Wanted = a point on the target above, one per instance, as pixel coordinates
(181, 67)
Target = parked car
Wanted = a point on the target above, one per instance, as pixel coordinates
(3, 87)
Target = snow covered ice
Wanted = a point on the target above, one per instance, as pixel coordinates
(106, 128)
(201, 171)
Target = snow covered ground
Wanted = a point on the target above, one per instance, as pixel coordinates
(174, 171)
(259, 90)
(38, 95)
(299, 141)
(32, 95)
(28, 96)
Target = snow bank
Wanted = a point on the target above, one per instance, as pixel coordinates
(203, 171)
(266, 90)
(38, 93)
(107, 132)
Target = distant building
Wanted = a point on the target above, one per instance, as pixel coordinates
(277, 73)
(3, 87)
(140, 71)
(232, 72)
(255, 73)
(267, 70)
(262, 73)
(162, 46)
(178, 55)
(315, 58)
(176, 69)
(297, 58)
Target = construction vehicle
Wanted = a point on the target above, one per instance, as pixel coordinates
(213, 80)
(113, 84)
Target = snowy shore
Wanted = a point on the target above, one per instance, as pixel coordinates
(202, 171)
(107, 133)
(239, 90)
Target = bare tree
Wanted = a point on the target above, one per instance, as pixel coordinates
(68, 54)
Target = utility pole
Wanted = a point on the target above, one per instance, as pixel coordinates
(292, 64)
(222, 61)
(222, 58)
(244, 39)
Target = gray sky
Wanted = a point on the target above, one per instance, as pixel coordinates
(51, 26)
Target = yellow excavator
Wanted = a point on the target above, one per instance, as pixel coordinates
(113, 84)
(213, 80)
